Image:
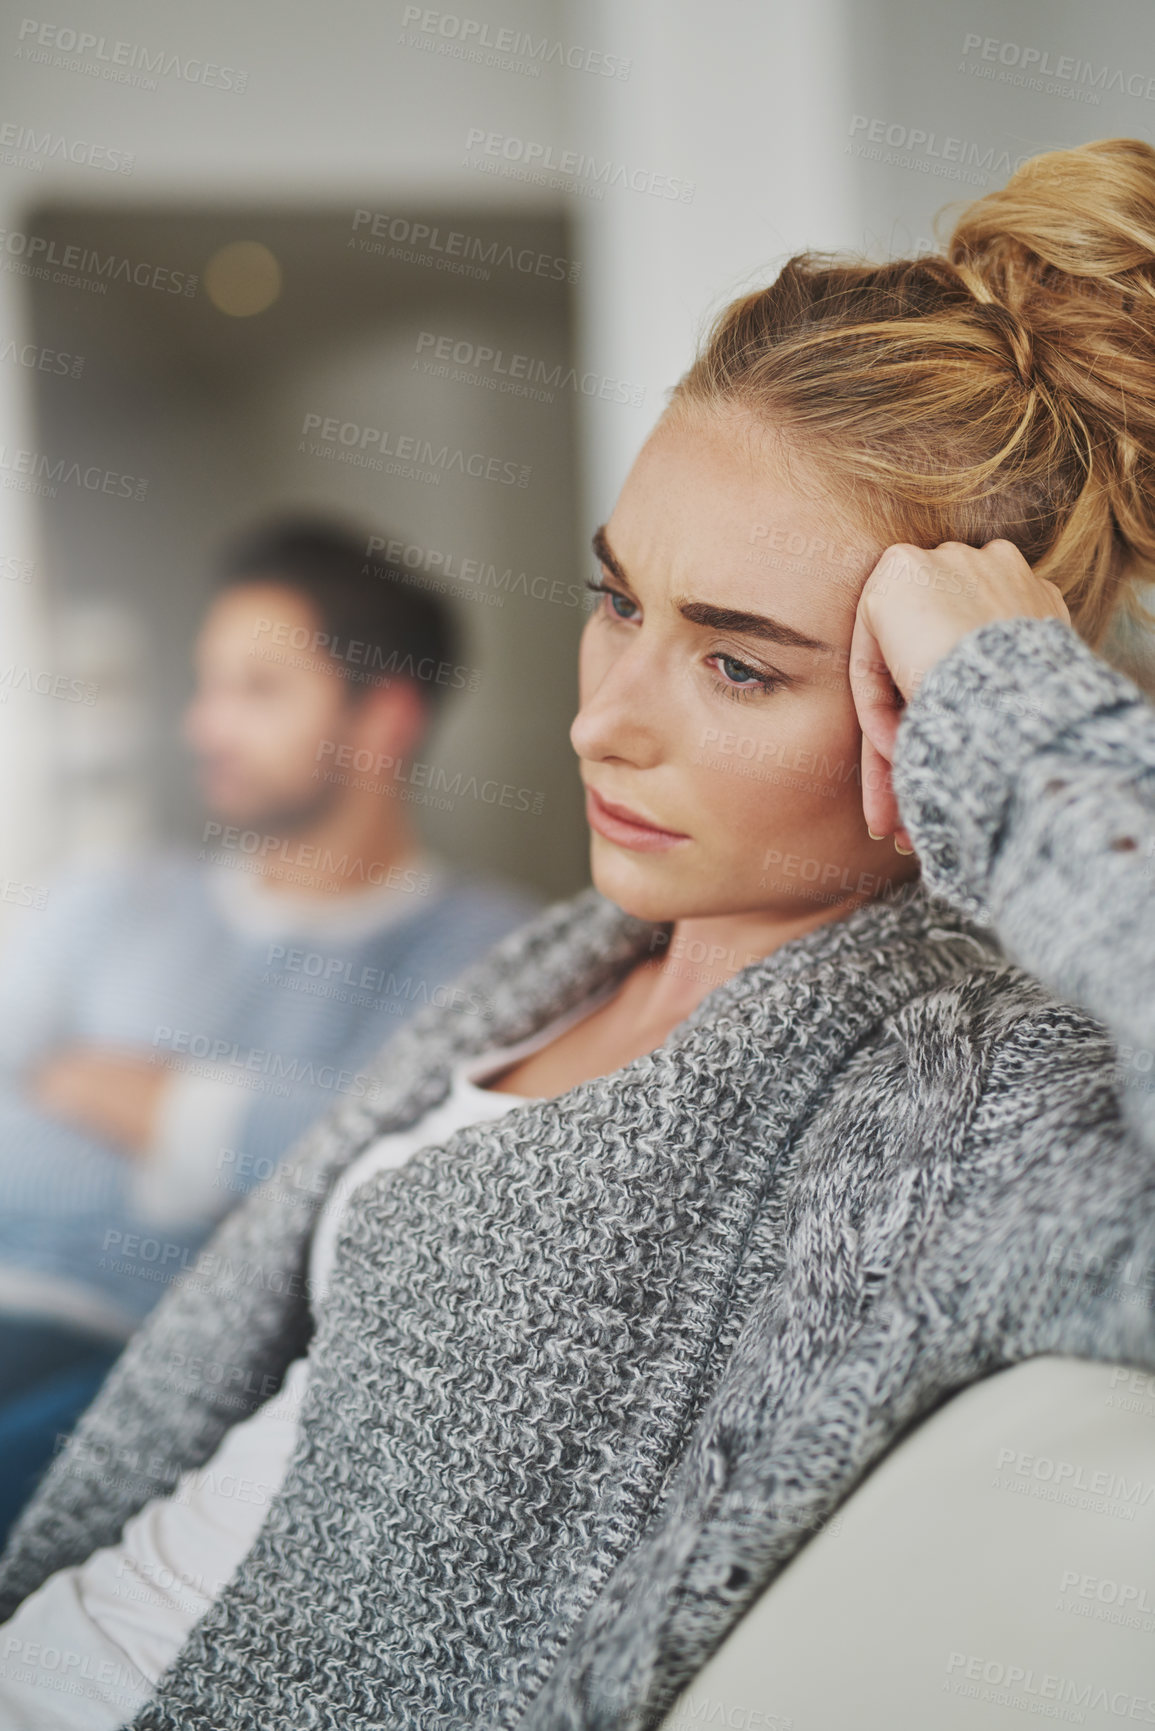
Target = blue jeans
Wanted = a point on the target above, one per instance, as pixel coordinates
(48, 1375)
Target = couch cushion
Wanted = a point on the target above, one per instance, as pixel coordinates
(999, 1562)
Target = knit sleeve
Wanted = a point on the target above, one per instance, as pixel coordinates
(1025, 775)
(1057, 1243)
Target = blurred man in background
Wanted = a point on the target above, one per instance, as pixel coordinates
(171, 1027)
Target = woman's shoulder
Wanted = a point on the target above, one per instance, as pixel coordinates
(1008, 1030)
(1016, 1088)
(990, 1091)
(988, 1050)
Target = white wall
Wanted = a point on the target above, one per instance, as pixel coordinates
(918, 66)
(745, 102)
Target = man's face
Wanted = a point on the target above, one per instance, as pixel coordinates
(262, 708)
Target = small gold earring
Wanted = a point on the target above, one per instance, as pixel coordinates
(898, 849)
(872, 835)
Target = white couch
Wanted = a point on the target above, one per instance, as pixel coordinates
(996, 1569)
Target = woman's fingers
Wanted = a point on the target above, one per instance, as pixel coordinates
(876, 697)
(915, 606)
(879, 806)
(879, 706)
(918, 603)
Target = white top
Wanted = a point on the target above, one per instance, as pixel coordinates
(124, 1614)
(173, 1185)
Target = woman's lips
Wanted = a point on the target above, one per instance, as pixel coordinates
(617, 823)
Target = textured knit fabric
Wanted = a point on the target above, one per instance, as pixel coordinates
(128, 1609)
(588, 1376)
(280, 1015)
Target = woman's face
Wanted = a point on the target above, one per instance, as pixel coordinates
(715, 699)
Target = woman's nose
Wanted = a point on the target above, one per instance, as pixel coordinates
(620, 714)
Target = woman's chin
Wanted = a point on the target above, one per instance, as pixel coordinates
(633, 885)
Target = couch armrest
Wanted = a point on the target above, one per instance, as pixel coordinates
(999, 1561)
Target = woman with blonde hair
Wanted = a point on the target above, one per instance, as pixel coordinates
(503, 1405)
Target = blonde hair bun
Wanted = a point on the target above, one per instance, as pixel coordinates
(1004, 388)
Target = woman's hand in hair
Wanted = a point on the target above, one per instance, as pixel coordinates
(914, 607)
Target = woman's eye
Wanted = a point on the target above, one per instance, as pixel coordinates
(737, 671)
(617, 601)
(738, 679)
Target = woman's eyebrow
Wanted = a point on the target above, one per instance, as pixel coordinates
(607, 555)
(718, 618)
(748, 624)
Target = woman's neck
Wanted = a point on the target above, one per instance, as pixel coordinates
(701, 953)
(660, 991)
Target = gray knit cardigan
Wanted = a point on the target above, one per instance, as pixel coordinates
(588, 1375)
